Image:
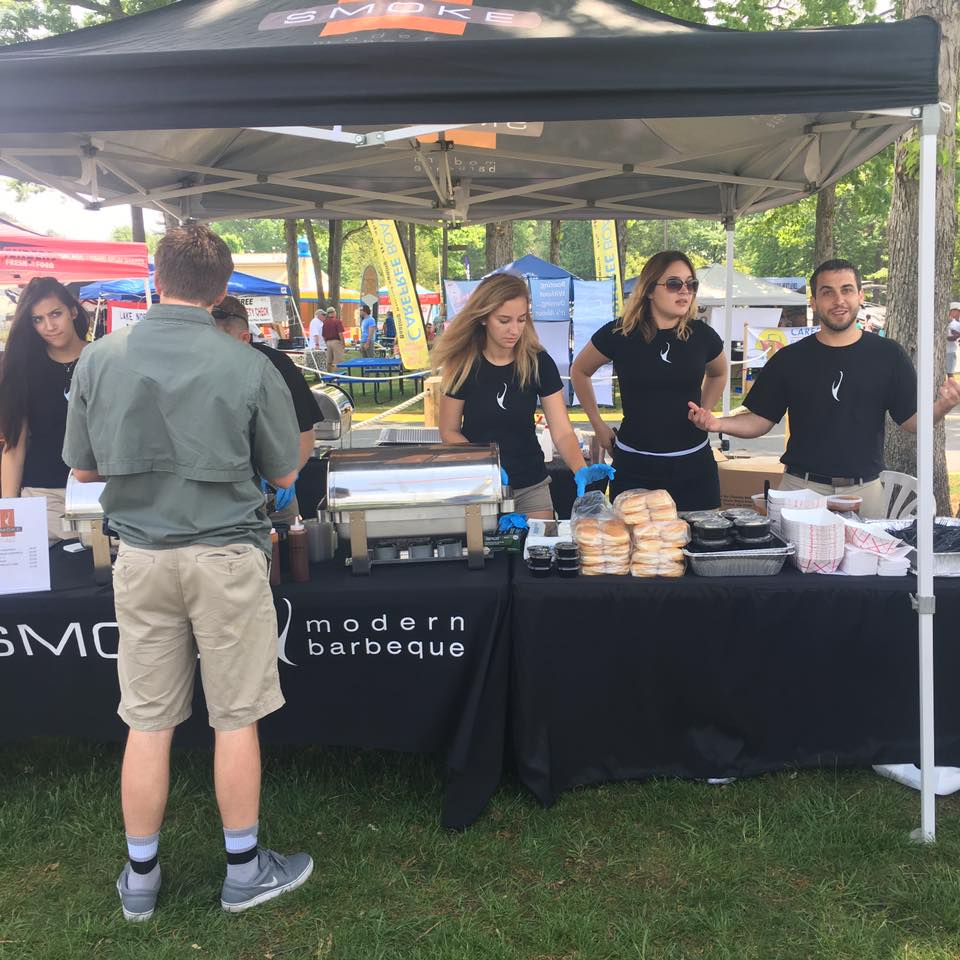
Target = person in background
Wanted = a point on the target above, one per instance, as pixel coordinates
(837, 386)
(953, 335)
(664, 357)
(332, 333)
(230, 315)
(389, 336)
(316, 347)
(493, 371)
(430, 333)
(178, 419)
(368, 331)
(46, 339)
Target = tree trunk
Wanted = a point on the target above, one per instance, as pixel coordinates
(900, 449)
(293, 267)
(554, 241)
(317, 265)
(444, 252)
(622, 247)
(138, 232)
(412, 252)
(499, 244)
(823, 245)
(334, 258)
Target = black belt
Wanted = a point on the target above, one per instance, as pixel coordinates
(830, 481)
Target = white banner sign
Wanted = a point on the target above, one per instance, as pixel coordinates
(763, 342)
(123, 315)
(259, 309)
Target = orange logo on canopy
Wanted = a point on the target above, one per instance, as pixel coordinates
(429, 16)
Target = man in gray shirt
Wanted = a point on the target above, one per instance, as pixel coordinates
(179, 423)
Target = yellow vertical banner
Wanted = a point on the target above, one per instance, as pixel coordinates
(606, 257)
(411, 336)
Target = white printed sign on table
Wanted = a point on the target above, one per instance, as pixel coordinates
(24, 556)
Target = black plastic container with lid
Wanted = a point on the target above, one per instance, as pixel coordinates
(713, 533)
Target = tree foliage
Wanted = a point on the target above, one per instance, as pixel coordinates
(28, 19)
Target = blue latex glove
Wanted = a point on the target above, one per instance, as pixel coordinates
(282, 496)
(587, 475)
(504, 479)
(512, 521)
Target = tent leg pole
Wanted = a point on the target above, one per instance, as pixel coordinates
(926, 267)
(728, 320)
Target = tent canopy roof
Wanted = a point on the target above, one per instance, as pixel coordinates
(24, 255)
(572, 109)
(239, 285)
(535, 267)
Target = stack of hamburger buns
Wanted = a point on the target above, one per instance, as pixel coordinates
(604, 546)
(657, 537)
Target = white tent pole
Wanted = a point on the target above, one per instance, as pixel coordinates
(925, 601)
(730, 225)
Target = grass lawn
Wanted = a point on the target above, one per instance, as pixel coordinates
(801, 865)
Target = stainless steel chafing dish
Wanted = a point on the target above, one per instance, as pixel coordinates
(427, 490)
(337, 413)
(83, 514)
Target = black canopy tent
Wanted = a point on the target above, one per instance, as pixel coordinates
(420, 110)
(199, 64)
(423, 111)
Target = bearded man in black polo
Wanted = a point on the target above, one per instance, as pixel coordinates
(837, 385)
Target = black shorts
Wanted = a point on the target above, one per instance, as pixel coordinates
(692, 481)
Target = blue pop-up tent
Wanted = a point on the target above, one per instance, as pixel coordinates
(531, 266)
(239, 285)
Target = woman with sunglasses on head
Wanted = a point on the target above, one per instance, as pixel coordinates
(663, 357)
(48, 332)
(493, 371)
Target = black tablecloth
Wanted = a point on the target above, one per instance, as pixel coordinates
(441, 687)
(618, 678)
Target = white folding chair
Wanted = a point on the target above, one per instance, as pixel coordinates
(901, 494)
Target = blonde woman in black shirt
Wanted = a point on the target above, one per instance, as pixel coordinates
(494, 370)
(48, 332)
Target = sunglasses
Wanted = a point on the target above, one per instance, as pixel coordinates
(219, 314)
(675, 285)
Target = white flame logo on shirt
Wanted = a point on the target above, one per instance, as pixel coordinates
(501, 397)
(664, 352)
(835, 389)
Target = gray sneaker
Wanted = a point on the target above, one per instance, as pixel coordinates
(277, 875)
(137, 904)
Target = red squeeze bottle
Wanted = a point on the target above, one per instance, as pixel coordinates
(299, 557)
(275, 561)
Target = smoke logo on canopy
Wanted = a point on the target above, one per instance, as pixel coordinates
(428, 16)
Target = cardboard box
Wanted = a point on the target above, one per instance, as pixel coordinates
(742, 477)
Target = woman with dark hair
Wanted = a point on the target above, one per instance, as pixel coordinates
(48, 332)
(664, 357)
(494, 370)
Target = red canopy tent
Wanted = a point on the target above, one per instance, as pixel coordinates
(24, 255)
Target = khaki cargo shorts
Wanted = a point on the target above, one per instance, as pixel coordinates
(172, 605)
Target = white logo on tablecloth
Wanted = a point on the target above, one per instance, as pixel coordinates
(664, 352)
(835, 389)
(501, 397)
(282, 636)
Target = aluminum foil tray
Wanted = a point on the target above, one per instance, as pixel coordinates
(394, 435)
(944, 564)
(765, 562)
